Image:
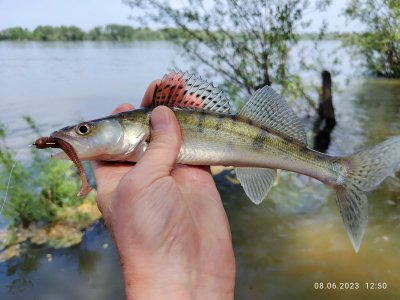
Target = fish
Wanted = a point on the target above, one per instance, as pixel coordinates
(263, 137)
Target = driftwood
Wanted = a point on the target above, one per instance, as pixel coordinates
(326, 120)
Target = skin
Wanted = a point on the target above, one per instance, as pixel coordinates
(167, 220)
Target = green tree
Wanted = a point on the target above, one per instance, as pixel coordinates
(95, 34)
(146, 34)
(246, 43)
(44, 33)
(171, 34)
(379, 44)
(15, 34)
(63, 33)
(69, 33)
(116, 32)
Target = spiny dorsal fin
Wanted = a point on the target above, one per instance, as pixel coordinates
(181, 89)
(256, 182)
(270, 109)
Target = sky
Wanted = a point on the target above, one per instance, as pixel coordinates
(89, 13)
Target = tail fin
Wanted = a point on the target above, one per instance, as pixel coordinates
(367, 169)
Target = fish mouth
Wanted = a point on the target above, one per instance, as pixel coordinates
(53, 141)
(61, 155)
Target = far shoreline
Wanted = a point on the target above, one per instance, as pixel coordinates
(121, 33)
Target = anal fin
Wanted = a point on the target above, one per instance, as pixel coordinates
(353, 206)
(256, 182)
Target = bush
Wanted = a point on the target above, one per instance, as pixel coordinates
(379, 44)
(38, 188)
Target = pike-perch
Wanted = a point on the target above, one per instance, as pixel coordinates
(264, 136)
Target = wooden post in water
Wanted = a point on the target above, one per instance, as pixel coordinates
(326, 120)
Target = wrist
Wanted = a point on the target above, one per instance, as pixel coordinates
(157, 278)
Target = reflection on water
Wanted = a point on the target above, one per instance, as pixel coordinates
(283, 248)
(381, 100)
(88, 271)
(293, 240)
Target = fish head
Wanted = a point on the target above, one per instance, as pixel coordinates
(109, 139)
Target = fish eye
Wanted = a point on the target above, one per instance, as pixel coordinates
(82, 129)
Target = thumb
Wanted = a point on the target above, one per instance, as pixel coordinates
(162, 152)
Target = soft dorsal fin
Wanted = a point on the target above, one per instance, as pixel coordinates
(270, 109)
(178, 89)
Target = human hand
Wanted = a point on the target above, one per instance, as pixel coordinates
(167, 220)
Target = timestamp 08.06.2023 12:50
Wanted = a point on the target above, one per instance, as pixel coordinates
(350, 285)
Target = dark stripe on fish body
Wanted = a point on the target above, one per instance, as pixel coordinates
(200, 120)
(303, 149)
(258, 141)
(318, 157)
(286, 141)
(233, 117)
(250, 122)
(219, 122)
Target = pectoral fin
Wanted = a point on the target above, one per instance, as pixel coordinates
(256, 182)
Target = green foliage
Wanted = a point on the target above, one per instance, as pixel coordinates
(380, 43)
(44, 33)
(244, 43)
(15, 34)
(39, 188)
(95, 34)
(63, 33)
(118, 32)
(112, 32)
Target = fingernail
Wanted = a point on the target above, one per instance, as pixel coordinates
(159, 119)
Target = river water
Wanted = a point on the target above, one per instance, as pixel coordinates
(284, 247)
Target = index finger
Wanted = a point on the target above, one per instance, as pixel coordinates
(148, 95)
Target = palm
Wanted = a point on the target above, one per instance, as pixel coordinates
(177, 216)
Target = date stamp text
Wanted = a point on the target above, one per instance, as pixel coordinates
(350, 285)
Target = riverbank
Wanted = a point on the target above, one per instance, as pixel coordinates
(68, 228)
(66, 231)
